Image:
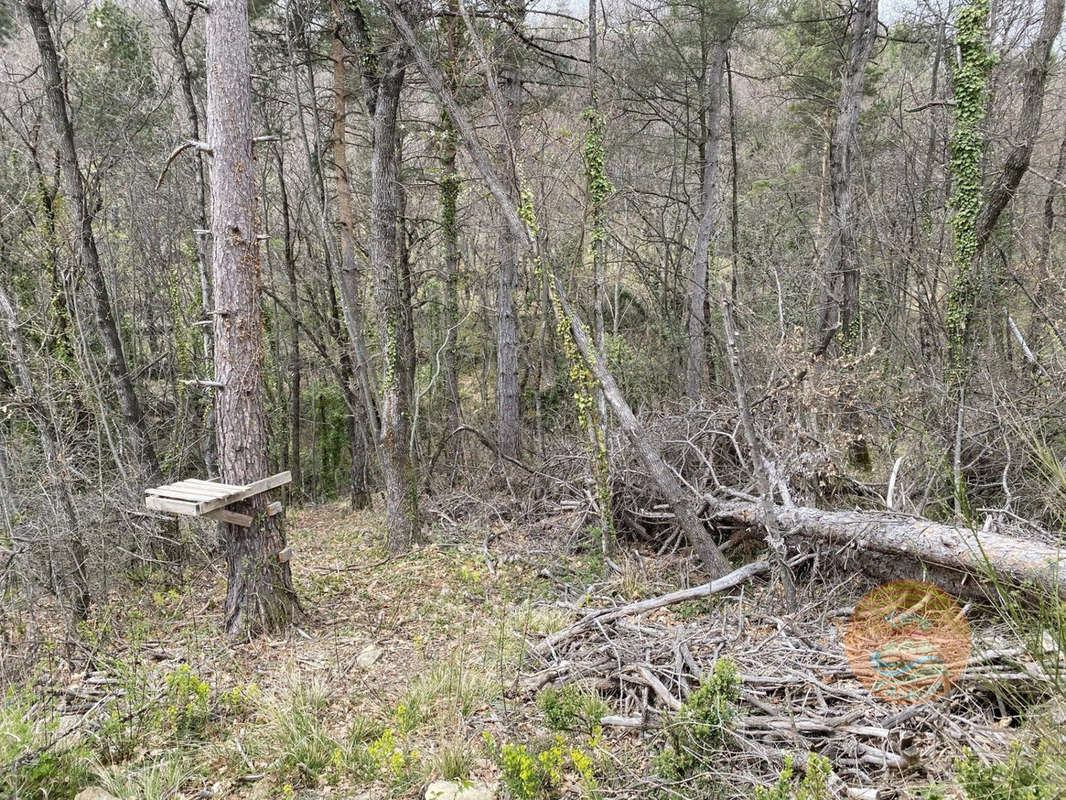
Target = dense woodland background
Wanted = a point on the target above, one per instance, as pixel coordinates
(601, 278)
(717, 127)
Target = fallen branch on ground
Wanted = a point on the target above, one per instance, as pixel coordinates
(734, 578)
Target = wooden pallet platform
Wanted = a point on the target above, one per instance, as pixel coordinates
(198, 498)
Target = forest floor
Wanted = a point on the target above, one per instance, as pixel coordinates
(407, 671)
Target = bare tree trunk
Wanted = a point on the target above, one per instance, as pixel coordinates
(507, 393)
(72, 586)
(838, 312)
(295, 364)
(450, 183)
(259, 595)
(1043, 252)
(351, 300)
(192, 117)
(397, 458)
(673, 492)
(696, 292)
(85, 242)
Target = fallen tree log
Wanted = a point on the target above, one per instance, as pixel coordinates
(978, 553)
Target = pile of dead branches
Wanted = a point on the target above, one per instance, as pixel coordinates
(798, 693)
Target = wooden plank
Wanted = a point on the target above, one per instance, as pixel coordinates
(211, 488)
(285, 555)
(251, 490)
(184, 492)
(232, 517)
(171, 506)
(179, 494)
(234, 486)
(273, 508)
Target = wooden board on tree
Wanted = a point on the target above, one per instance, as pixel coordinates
(198, 498)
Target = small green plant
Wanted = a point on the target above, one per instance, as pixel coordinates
(533, 775)
(814, 786)
(697, 729)
(305, 748)
(187, 705)
(392, 761)
(1020, 777)
(570, 708)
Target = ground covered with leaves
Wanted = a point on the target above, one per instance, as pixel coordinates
(406, 672)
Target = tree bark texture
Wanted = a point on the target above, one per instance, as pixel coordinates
(914, 541)
(259, 595)
(394, 313)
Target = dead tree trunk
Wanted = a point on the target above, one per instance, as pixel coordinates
(673, 492)
(913, 542)
(259, 595)
(85, 242)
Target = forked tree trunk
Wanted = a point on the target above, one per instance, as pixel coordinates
(85, 242)
(259, 595)
(394, 318)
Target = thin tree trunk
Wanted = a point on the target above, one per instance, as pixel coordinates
(259, 595)
(295, 364)
(450, 184)
(397, 458)
(350, 277)
(1043, 252)
(507, 392)
(839, 312)
(85, 242)
(696, 292)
